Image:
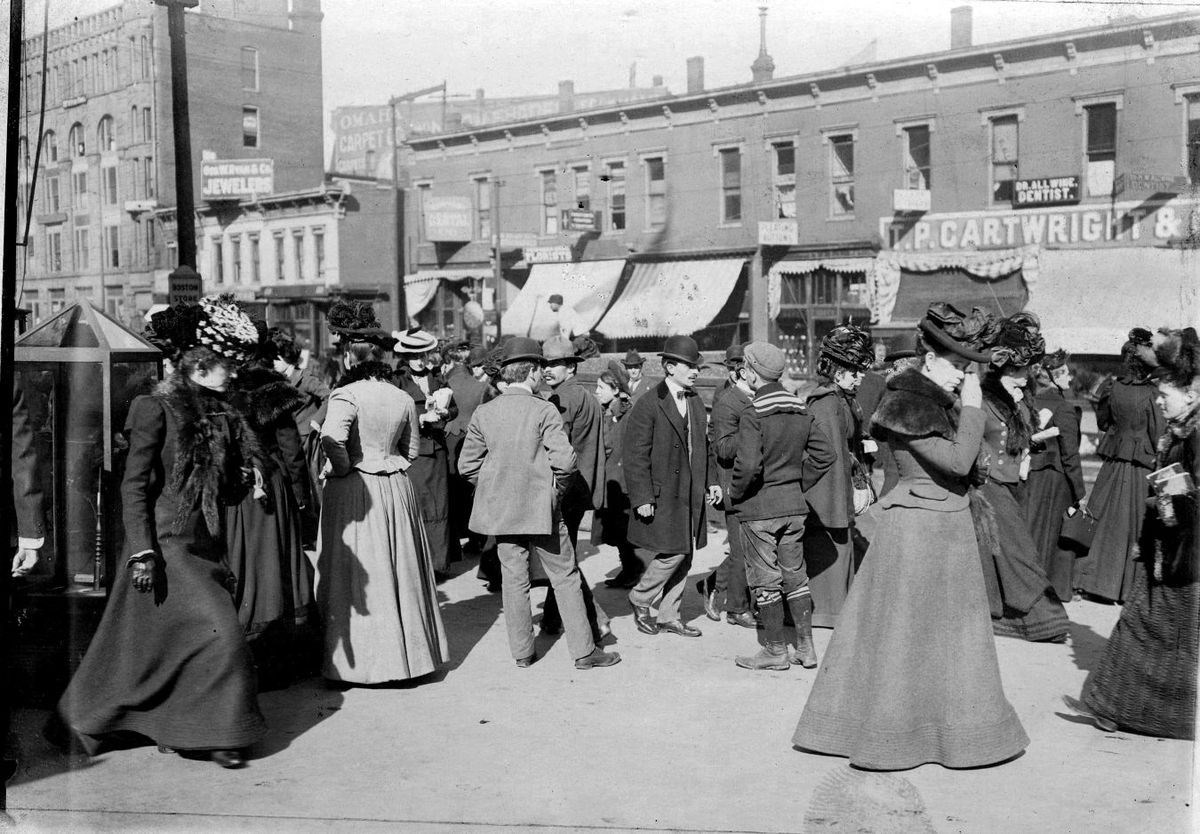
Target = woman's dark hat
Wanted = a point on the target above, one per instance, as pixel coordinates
(354, 321)
(1018, 342)
(1054, 361)
(848, 346)
(683, 349)
(216, 323)
(947, 328)
(521, 349)
(1140, 345)
(633, 359)
(620, 375)
(1177, 353)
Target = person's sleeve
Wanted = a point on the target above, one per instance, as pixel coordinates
(820, 454)
(726, 417)
(148, 430)
(748, 455)
(957, 456)
(635, 455)
(474, 450)
(291, 450)
(1104, 419)
(27, 491)
(557, 444)
(410, 440)
(1068, 440)
(335, 431)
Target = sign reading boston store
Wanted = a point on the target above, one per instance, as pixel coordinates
(1130, 223)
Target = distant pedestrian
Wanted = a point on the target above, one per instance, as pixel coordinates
(566, 321)
(610, 524)
(639, 383)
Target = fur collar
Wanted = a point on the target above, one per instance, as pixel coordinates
(265, 397)
(1019, 430)
(915, 407)
(214, 451)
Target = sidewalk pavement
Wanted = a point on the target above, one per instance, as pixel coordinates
(674, 738)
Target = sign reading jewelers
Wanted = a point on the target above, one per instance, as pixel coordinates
(1130, 223)
(236, 179)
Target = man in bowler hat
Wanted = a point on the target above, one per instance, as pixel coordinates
(638, 382)
(519, 458)
(670, 477)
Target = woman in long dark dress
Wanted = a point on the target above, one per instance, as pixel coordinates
(1146, 680)
(910, 675)
(169, 660)
(1022, 602)
(1055, 472)
(1132, 424)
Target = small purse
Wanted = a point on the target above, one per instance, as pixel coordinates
(1078, 528)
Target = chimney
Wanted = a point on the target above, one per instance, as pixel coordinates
(656, 81)
(960, 27)
(566, 96)
(763, 68)
(695, 74)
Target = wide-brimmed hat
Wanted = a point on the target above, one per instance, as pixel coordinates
(216, 323)
(947, 328)
(683, 349)
(633, 359)
(415, 341)
(558, 349)
(734, 356)
(848, 346)
(521, 349)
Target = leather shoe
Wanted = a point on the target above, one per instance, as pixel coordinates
(709, 594)
(644, 619)
(228, 758)
(1077, 707)
(526, 662)
(680, 628)
(742, 618)
(598, 658)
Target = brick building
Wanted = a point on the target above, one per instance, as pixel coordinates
(1057, 173)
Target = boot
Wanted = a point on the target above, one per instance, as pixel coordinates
(773, 656)
(805, 653)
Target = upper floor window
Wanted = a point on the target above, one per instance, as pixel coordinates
(280, 259)
(841, 175)
(144, 56)
(614, 177)
(319, 252)
(50, 144)
(298, 246)
(79, 190)
(249, 68)
(1100, 147)
(656, 192)
(53, 201)
(784, 179)
(731, 184)
(1005, 144)
(235, 247)
(112, 246)
(250, 127)
(109, 184)
(483, 208)
(218, 261)
(423, 191)
(581, 177)
(75, 137)
(1192, 136)
(549, 183)
(148, 175)
(147, 125)
(916, 157)
(105, 135)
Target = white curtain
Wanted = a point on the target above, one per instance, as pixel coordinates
(776, 273)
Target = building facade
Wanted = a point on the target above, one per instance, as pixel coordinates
(1058, 174)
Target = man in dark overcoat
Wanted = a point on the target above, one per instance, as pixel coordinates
(670, 476)
(639, 383)
(469, 392)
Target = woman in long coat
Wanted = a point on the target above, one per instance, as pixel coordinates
(1132, 424)
(844, 357)
(1146, 680)
(375, 580)
(169, 660)
(610, 524)
(911, 675)
(1055, 473)
(430, 472)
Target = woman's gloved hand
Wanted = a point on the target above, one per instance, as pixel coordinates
(141, 573)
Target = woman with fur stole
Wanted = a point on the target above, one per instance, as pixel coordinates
(169, 660)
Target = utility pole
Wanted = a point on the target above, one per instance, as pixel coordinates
(496, 270)
(184, 282)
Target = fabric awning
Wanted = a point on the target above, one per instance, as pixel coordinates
(421, 286)
(1089, 299)
(802, 267)
(988, 264)
(671, 298)
(586, 287)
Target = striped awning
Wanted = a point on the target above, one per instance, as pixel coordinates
(421, 286)
(586, 288)
(672, 298)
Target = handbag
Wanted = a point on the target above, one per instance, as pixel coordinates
(1078, 528)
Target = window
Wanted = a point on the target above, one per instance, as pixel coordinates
(581, 179)
(549, 202)
(250, 127)
(916, 157)
(731, 184)
(1100, 147)
(841, 175)
(58, 299)
(423, 189)
(614, 179)
(53, 92)
(109, 180)
(144, 56)
(255, 270)
(218, 261)
(149, 240)
(114, 300)
(81, 253)
(106, 70)
(112, 246)
(75, 137)
(54, 251)
(784, 180)
(79, 189)
(656, 192)
(53, 202)
(483, 209)
(85, 78)
(235, 249)
(148, 175)
(280, 263)
(1005, 142)
(50, 144)
(105, 139)
(319, 251)
(1192, 137)
(249, 68)
(298, 246)
(147, 125)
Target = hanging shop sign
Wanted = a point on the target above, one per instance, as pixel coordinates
(1129, 223)
(579, 220)
(448, 219)
(236, 179)
(1049, 191)
(778, 233)
(1141, 183)
(911, 199)
(548, 254)
(184, 288)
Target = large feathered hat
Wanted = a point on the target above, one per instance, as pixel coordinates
(849, 347)
(1178, 355)
(947, 328)
(1018, 342)
(354, 321)
(216, 323)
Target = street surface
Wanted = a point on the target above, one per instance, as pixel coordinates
(674, 738)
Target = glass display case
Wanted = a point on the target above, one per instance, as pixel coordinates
(79, 372)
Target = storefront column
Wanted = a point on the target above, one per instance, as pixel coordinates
(757, 288)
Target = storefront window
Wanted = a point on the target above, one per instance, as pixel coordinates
(811, 305)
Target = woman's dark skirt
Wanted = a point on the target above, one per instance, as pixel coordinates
(1047, 497)
(1118, 501)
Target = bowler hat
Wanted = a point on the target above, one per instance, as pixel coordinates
(555, 299)
(734, 356)
(521, 349)
(683, 349)
(558, 349)
(633, 359)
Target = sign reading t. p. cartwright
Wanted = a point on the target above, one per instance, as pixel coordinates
(236, 179)
(1050, 191)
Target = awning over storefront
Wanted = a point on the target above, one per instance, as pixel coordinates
(989, 265)
(420, 287)
(586, 287)
(671, 298)
(1088, 300)
(865, 266)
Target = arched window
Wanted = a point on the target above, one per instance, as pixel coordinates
(78, 146)
(50, 143)
(105, 138)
